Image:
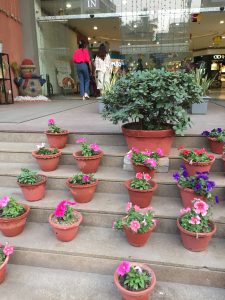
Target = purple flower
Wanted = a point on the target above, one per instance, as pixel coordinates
(198, 186)
(219, 130)
(185, 173)
(210, 185)
(202, 176)
(176, 176)
(205, 133)
(217, 199)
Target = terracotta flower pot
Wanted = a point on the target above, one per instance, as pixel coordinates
(215, 146)
(138, 239)
(14, 226)
(198, 166)
(188, 195)
(148, 139)
(66, 233)
(88, 164)
(34, 192)
(223, 158)
(3, 269)
(142, 198)
(47, 163)
(194, 241)
(82, 193)
(139, 295)
(57, 140)
(143, 169)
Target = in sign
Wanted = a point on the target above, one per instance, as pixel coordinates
(92, 3)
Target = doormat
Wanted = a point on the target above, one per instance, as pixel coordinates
(28, 99)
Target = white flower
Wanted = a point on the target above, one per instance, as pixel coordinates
(41, 146)
(138, 269)
(191, 162)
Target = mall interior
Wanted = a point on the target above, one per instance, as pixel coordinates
(174, 34)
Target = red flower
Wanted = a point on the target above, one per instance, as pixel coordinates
(180, 148)
(186, 152)
(211, 156)
(200, 151)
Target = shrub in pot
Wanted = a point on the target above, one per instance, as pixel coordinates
(145, 161)
(47, 158)
(88, 159)
(195, 227)
(32, 184)
(13, 216)
(197, 160)
(134, 280)
(154, 103)
(57, 137)
(65, 221)
(216, 138)
(141, 189)
(138, 224)
(82, 186)
(5, 252)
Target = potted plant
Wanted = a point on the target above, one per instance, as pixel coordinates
(88, 159)
(56, 136)
(47, 158)
(13, 216)
(223, 158)
(138, 224)
(82, 187)
(32, 184)
(154, 103)
(134, 280)
(216, 138)
(141, 189)
(197, 160)
(195, 227)
(5, 252)
(196, 186)
(145, 161)
(107, 86)
(65, 221)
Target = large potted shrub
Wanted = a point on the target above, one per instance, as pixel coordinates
(153, 105)
(216, 138)
(56, 136)
(5, 252)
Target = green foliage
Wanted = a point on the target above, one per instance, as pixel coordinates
(46, 151)
(12, 209)
(202, 80)
(140, 184)
(28, 177)
(54, 129)
(2, 256)
(82, 178)
(135, 280)
(154, 99)
(107, 87)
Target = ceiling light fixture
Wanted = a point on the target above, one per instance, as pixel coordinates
(157, 43)
(177, 24)
(95, 42)
(223, 37)
(68, 5)
(135, 25)
(95, 28)
(222, 21)
(128, 44)
(89, 38)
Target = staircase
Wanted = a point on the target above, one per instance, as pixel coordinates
(44, 268)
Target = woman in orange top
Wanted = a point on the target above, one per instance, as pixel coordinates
(81, 58)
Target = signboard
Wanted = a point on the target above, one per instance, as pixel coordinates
(92, 4)
(219, 56)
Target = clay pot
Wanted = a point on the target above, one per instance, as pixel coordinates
(223, 158)
(82, 193)
(194, 241)
(34, 192)
(143, 169)
(148, 139)
(198, 166)
(139, 295)
(57, 140)
(142, 198)
(188, 195)
(138, 239)
(215, 146)
(14, 226)
(88, 164)
(47, 163)
(66, 233)
(3, 269)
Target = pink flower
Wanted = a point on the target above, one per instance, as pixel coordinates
(148, 153)
(81, 140)
(133, 149)
(129, 206)
(61, 208)
(201, 207)
(86, 178)
(195, 220)
(149, 208)
(123, 268)
(129, 154)
(159, 151)
(184, 210)
(147, 177)
(137, 208)
(139, 175)
(8, 249)
(151, 161)
(113, 225)
(51, 122)
(4, 201)
(134, 225)
(154, 221)
(95, 147)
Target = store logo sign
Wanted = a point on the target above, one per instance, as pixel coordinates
(218, 56)
(92, 4)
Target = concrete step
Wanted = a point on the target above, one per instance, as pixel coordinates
(35, 282)
(105, 208)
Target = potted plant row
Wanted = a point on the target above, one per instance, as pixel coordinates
(5, 251)
(57, 137)
(216, 138)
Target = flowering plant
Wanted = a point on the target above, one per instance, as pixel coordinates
(137, 219)
(4, 252)
(196, 219)
(64, 213)
(141, 182)
(199, 182)
(88, 150)
(149, 159)
(46, 151)
(81, 178)
(133, 278)
(28, 177)
(196, 155)
(9, 208)
(52, 127)
(217, 133)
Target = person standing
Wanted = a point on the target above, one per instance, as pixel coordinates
(81, 58)
(103, 67)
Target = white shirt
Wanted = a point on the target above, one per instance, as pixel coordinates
(103, 65)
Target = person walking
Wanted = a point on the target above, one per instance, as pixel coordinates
(103, 67)
(81, 58)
